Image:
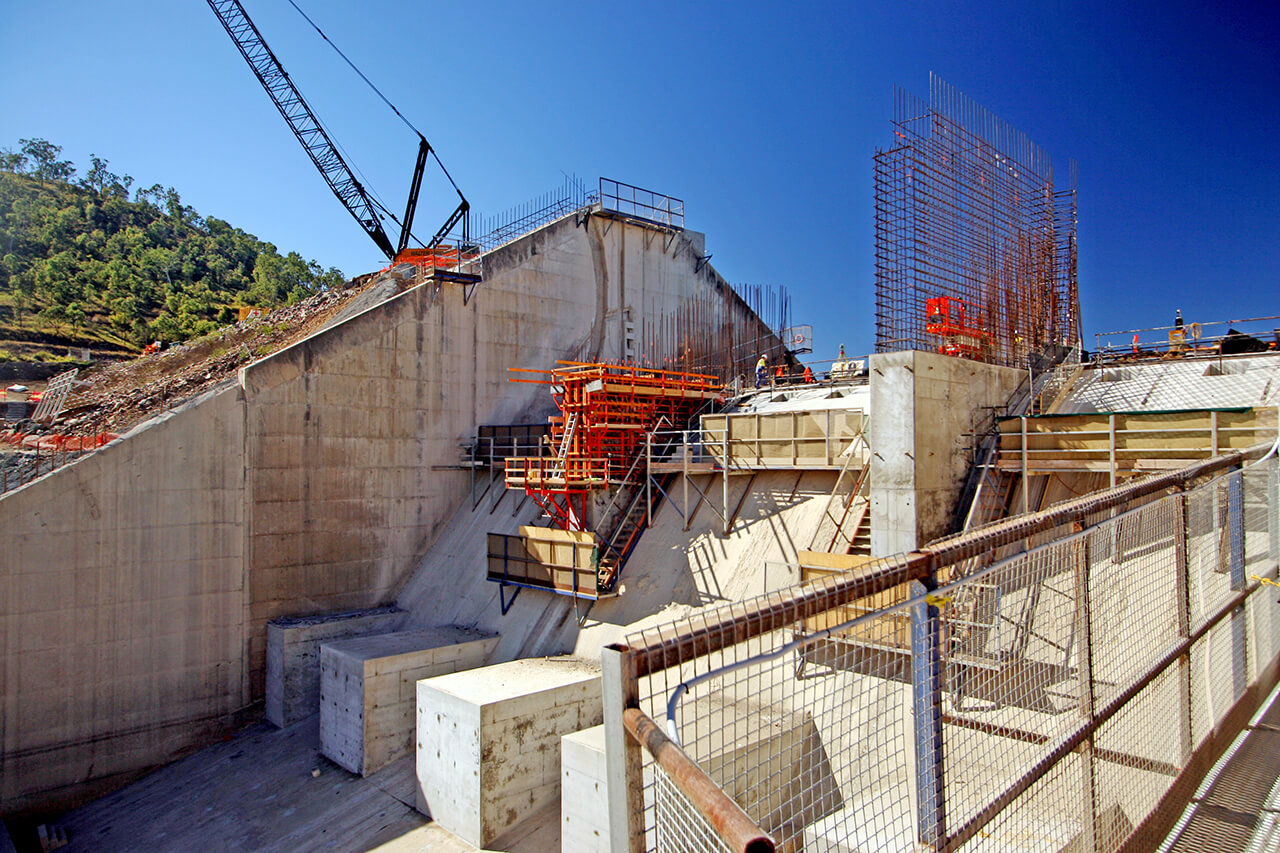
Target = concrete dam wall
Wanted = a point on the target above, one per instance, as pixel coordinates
(136, 583)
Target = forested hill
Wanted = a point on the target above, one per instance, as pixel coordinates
(84, 262)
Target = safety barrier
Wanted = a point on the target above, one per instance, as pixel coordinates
(1056, 680)
(42, 453)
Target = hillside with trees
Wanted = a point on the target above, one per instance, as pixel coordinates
(95, 262)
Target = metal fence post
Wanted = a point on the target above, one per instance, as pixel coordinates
(1239, 628)
(725, 478)
(1083, 632)
(648, 479)
(926, 705)
(684, 476)
(623, 775)
(1182, 581)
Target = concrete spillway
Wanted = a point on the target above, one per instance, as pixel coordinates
(671, 572)
(137, 582)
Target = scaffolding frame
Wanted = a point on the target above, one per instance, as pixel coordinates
(975, 244)
(602, 439)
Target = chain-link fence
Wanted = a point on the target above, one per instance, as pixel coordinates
(1050, 682)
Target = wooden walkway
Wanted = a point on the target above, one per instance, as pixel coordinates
(270, 789)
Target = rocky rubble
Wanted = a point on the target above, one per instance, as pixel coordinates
(115, 397)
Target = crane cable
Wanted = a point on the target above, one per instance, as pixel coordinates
(376, 91)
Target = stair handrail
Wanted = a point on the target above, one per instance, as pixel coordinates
(1018, 403)
(626, 478)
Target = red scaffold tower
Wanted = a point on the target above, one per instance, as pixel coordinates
(605, 412)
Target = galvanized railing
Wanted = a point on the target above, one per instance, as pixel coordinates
(1250, 334)
(1072, 693)
(640, 203)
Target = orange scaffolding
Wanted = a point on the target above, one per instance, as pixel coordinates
(605, 412)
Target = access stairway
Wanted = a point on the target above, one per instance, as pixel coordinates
(601, 440)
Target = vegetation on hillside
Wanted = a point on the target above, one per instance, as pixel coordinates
(83, 262)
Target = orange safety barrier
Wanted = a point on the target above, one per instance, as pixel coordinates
(71, 443)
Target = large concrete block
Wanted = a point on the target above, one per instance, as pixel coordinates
(488, 746)
(777, 770)
(293, 656)
(584, 792)
(368, 694)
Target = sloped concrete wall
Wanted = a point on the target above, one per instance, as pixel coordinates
(671, 572)
(316, 485)
(122, 606)
(352, 444)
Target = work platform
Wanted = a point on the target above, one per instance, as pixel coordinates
(1128, 443)
(603, 440)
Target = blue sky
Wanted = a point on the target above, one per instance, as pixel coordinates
(762, 117)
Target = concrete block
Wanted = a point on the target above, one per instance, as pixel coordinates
(584, 793)
(488, 746)
(293, 656)
(779, 773)
(366, 714)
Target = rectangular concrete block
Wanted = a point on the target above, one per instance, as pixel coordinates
(488, 744)
(584, 792)
(367, 703)
(778, 771)
(293, 656)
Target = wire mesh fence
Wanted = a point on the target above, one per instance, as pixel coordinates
(1041, 684)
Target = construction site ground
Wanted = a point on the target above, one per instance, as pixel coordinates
(116, 396)
(270, 789)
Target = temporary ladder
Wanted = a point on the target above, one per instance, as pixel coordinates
(566, 440)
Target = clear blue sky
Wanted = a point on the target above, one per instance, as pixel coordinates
(762, 117)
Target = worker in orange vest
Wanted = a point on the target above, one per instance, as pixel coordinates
(808, 375)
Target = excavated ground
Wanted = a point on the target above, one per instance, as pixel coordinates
(117, 396)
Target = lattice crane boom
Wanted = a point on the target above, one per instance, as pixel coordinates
(315, 141)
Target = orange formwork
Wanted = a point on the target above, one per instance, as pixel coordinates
(605, 411)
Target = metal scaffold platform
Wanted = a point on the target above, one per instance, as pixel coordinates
(600, 442)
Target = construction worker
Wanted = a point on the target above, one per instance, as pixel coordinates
(808, 375)
(761, 367)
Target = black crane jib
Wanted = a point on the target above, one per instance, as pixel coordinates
(319, 147)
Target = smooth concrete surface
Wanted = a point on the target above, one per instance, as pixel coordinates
(138, 582)
(122, 600)
(352, 449)
(671, 573)
(926, 408)
(584, 792)
(267, 790)
(368, 694)
(293, 656)
(488, 743)
(781, 770)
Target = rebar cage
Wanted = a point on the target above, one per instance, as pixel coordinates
(975, 244)
(1052, 681)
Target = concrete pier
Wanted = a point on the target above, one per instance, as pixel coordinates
(368, 694)
(293, 656)
(488, 747)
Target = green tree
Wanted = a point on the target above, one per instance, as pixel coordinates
(12, 161)
(77, 251)
(46, 166)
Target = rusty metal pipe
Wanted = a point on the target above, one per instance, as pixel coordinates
(738, 831)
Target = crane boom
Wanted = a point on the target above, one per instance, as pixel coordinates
(306, 126)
